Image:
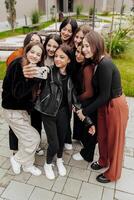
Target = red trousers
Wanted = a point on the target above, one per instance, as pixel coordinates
(112, 122)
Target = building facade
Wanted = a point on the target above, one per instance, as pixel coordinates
(25, 7)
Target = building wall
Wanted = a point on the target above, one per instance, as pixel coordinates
(103, 5)
(49, 4)
(86, 4)
(23, 7)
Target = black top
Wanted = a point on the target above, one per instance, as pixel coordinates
(106, 84)
(64, 80)
(17, 90)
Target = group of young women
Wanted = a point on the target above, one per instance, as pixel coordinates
(82, 78)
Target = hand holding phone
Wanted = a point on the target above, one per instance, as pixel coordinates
(42, 72)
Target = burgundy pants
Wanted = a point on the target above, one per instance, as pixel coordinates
(112, 122)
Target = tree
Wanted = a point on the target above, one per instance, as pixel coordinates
(111, 29)
(11, 12)
(94, 14)
(121, 13)
(78, 10)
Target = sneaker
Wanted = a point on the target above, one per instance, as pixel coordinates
(33, 170)
(15, 165)
(68, 146)
(61, 169)
(39, 152)
(49, 171)
(77, 156)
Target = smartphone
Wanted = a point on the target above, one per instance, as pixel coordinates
(42, 72)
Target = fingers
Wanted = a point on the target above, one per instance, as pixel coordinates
(80, 115)
(73, 108)
(29, 71)
(91, 130)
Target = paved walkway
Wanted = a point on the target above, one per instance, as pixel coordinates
(78, 184)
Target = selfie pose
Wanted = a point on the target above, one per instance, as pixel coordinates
(55, 104)
(18, 98)
(112, 108)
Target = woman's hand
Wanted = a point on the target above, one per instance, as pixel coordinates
(91, 130)
(29, 71)
(80, 114)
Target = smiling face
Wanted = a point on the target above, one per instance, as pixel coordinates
(66, 32)
(79, 55)
(34, 54)
(87, 49)
(61, 59)
(78, 38)
(35, 38)
(51, 47)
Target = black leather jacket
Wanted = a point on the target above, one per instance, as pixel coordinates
(50, 98)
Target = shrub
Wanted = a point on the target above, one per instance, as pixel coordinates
(11, 11)
(117, 43)
(91, 11)
(78, 10)
(105, 13)
(35, 16)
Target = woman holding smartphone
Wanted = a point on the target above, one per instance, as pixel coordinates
(18, 98)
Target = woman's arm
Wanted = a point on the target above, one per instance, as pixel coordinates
(20, 85)
(104, 79)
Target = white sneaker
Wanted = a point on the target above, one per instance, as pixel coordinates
(39, 152)
(33, 170)
(77, 156)
(49, 171)
(15, 165)
(68, 146)
(61, 168)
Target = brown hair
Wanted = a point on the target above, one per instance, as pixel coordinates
(84, 28)
(66, 49)
(97, 45)
(28, 37)
(55, 37)
(28, 47)
(69, 52)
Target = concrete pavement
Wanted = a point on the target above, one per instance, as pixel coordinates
(78, 184)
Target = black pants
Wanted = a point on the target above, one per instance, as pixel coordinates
(36, 122)
(80, 132)
(77, 128)
(56, 130)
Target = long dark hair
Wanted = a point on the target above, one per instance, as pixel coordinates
(97, 45)
(28, 37)
(73, 24)
(28, 47)
(68, 51)
(55, 37)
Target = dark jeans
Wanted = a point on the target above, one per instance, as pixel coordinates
(80, 132)
(56, 130)
(35, 122)
(77, 128)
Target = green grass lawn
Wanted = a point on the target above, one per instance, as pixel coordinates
(19, 31)
(125, 65)
(2, 70)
